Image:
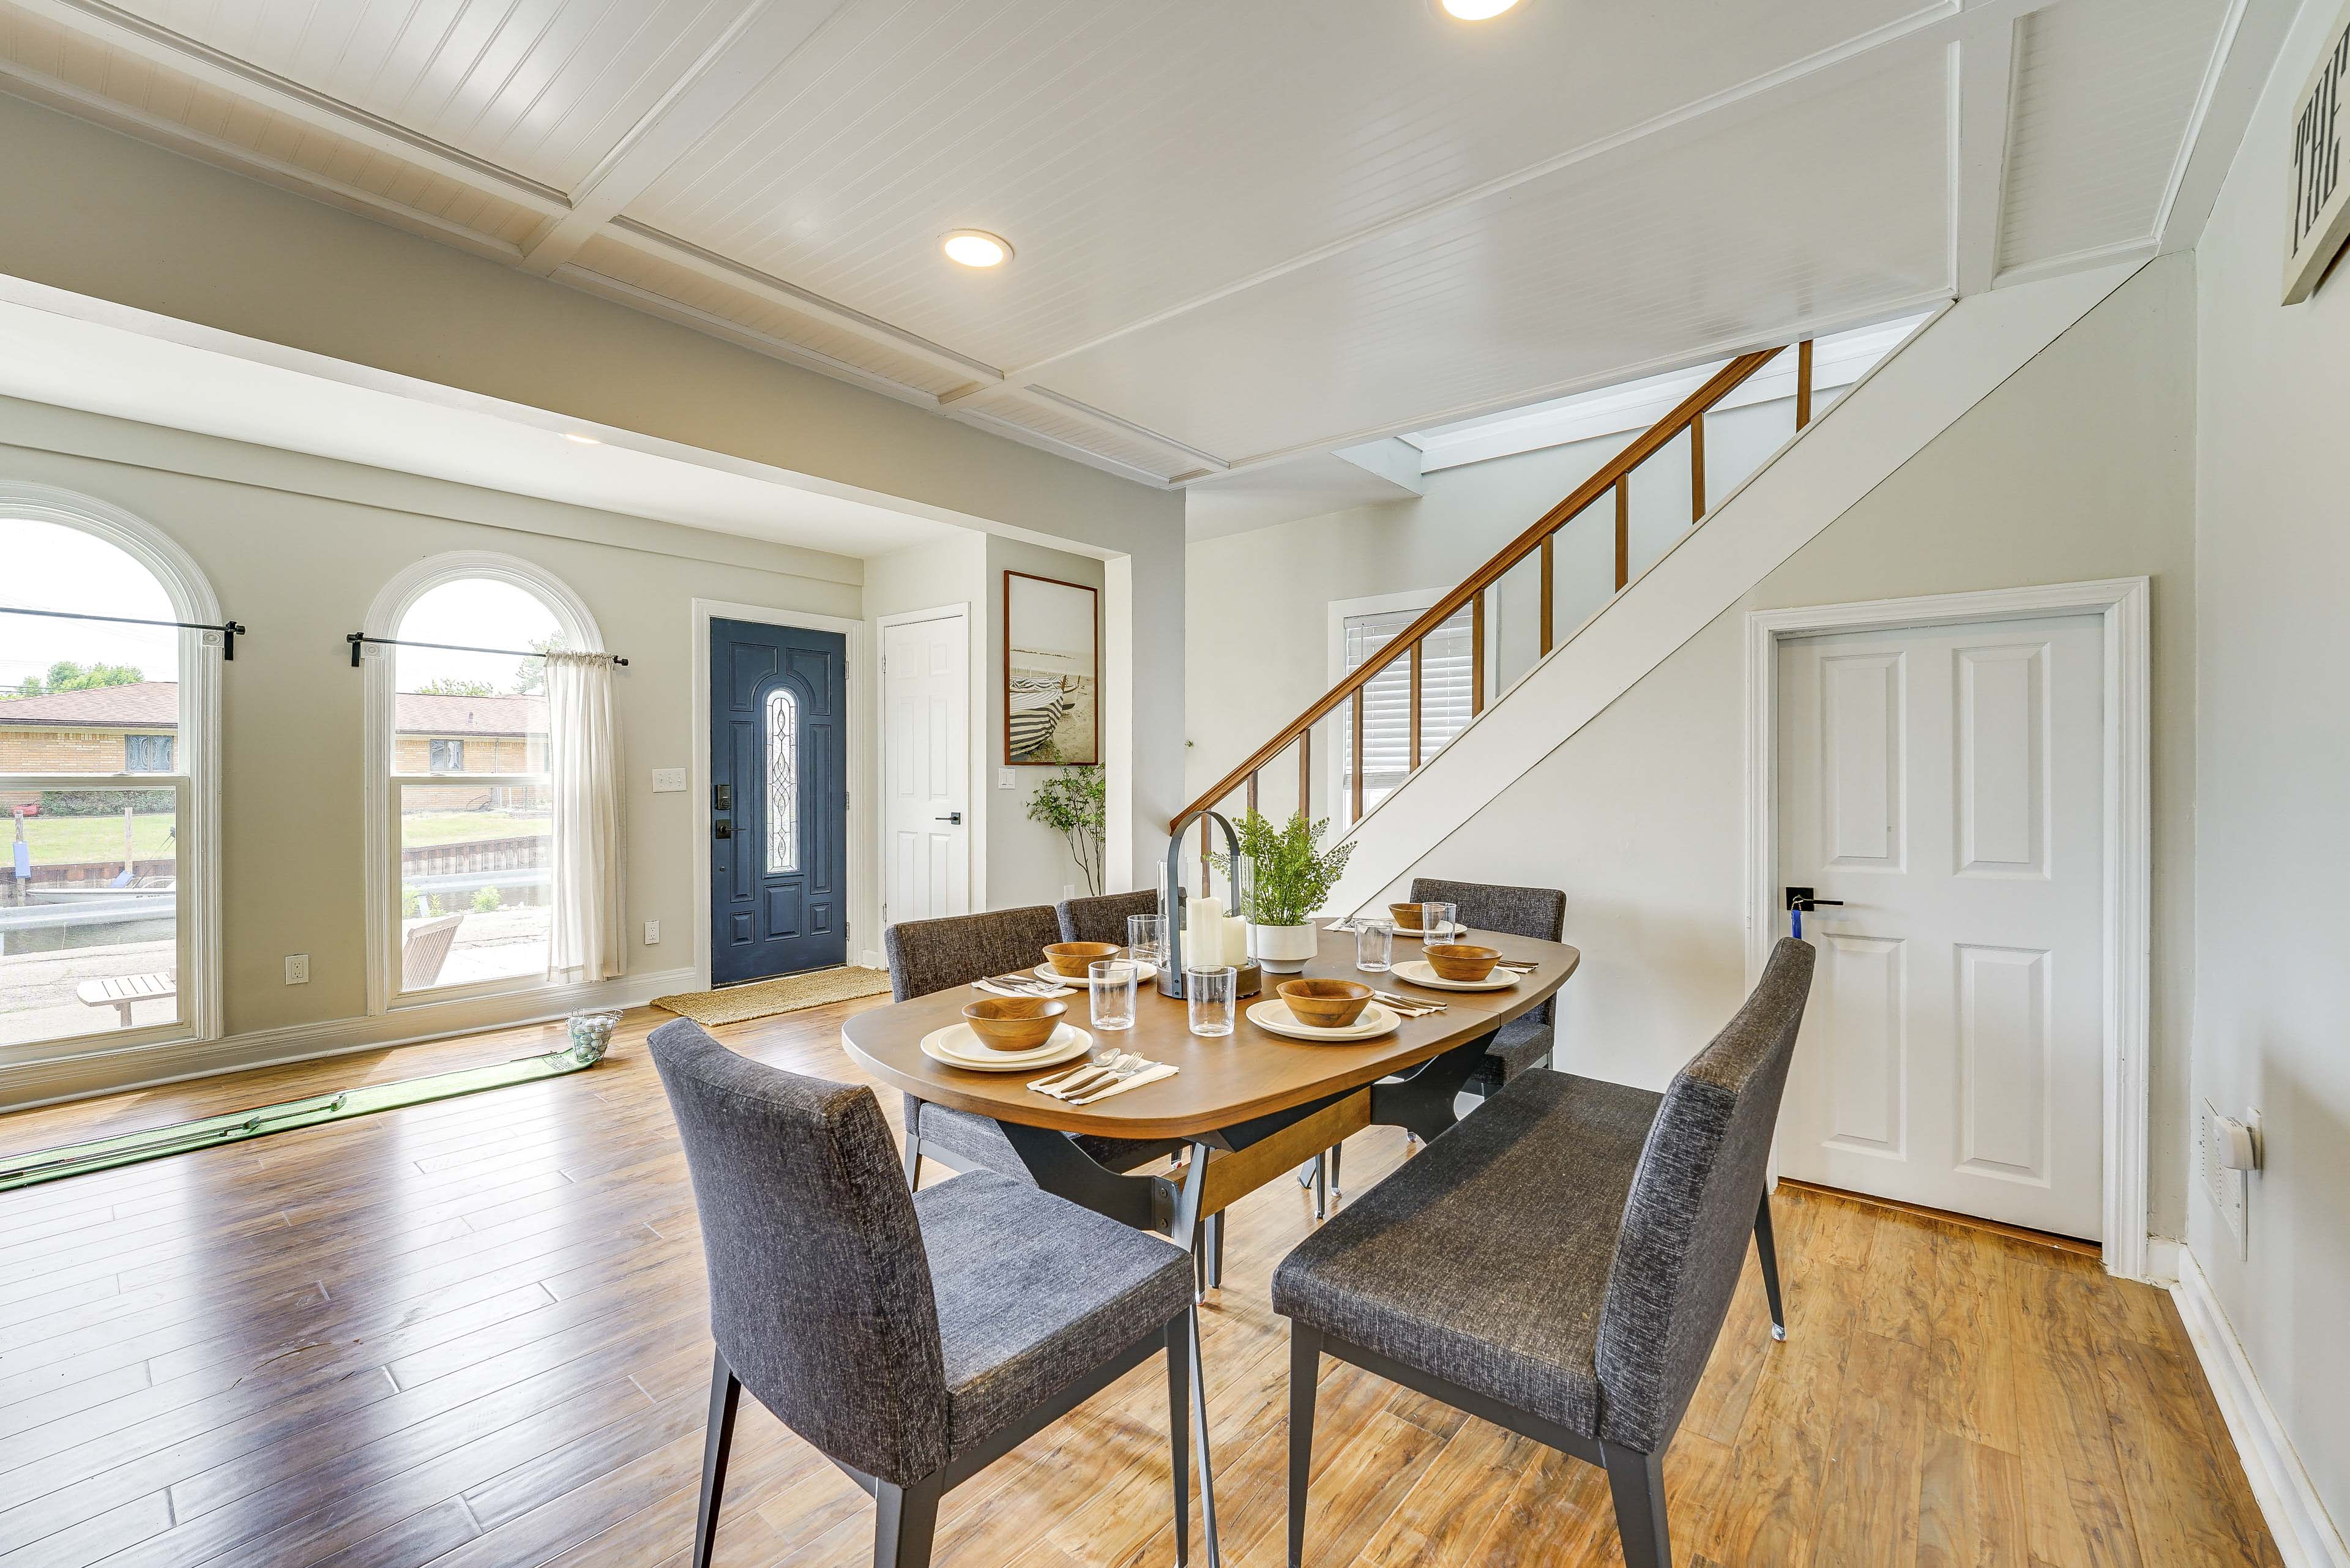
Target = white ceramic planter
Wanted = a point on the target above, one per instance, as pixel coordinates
(1283, 950)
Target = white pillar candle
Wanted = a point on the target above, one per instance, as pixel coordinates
(1203, 927)
(1236, 941)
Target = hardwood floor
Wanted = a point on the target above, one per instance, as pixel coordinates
(473, 1333)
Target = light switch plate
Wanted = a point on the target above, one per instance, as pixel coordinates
(1003, 778)
(667, 781)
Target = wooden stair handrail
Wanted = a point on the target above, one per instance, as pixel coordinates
(1644, 445)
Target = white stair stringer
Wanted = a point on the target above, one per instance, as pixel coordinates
(1946, 367)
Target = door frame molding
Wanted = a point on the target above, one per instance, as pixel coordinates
(974, 814)
(2122, 603)
(863, 873)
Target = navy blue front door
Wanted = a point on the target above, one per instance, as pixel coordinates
(779, 811)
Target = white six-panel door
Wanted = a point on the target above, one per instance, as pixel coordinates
(925, 769)
(1947, 784)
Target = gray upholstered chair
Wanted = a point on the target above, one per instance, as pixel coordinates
(1536, 912)
(1522, 1042)
(914, 1339)
(927, 956)
(1103, 919)
(1561, 1263)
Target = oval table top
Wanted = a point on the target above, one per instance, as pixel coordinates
(1220, 1082)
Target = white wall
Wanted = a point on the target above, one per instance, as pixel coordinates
(1256, 644)
(1014, 861)
(2077, 467)
(2272, 984)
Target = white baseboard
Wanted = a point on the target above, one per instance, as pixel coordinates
(2306, 1536)
(2162, 1255)
(28, 1084)
(868, 959)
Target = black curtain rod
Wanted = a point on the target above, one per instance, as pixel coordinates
(356, 639)
(228, 629)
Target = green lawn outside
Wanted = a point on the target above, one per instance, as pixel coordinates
(62, 840)
(418, 829)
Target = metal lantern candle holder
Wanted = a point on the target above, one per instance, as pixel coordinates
(1250, 977)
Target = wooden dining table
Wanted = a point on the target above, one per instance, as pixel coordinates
(1246, 1107)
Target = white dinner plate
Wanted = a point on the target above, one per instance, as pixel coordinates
(1146, 969)
(1419, 971)
(1452, 933)
(1273, 1016)
(957, 1047)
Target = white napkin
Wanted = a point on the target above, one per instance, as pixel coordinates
(1148, 1075)
(993, 989)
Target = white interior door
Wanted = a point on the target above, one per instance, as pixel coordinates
(926, 769)
(1947, 783)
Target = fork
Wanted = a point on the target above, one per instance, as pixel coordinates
(1118, 1070)
(1411, 1005)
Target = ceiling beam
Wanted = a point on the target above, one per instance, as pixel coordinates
(1982, 68)
(118, 29)
(2249, 43)
(775, 290)
(756, 44)
(1086, 413)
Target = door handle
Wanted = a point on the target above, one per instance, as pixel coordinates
(953, 816)
(1799, 900)
(721, 828)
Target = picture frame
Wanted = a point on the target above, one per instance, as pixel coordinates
(1051, 672)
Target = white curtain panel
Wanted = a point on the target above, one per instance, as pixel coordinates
(584, 757)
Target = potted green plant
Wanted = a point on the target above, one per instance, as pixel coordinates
(1292, 875)
(1074, 805)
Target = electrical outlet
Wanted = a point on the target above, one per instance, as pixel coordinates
(652, 933)
(667, 781)
(297, 969)
(1003, 778)
(2223, 1187)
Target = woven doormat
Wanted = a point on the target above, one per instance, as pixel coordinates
(767, 998)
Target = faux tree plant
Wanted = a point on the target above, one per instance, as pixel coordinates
(1291, 876)
(1071, 805)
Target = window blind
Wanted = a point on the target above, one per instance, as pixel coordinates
(1447, 670)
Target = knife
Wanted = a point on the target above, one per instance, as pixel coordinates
(1163, 1070)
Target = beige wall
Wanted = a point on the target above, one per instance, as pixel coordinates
(2079, 467)
(295, 551)
(189, 240)
(2271, 984)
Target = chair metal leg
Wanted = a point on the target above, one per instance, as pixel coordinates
(913, 1158)
(1304, 1370)
(1179, 1396)
(1768, 1251)
(718, 1440)
(1321, 1188)
(1636, 1483)
(905, 1521)
(1216, 1251)
(1200, 1441)
(1335, 1150)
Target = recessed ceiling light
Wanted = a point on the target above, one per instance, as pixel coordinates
(1475, 10)
(582, 440)
(977, 247)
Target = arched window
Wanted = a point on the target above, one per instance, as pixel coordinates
(109, 899)
(458, 725)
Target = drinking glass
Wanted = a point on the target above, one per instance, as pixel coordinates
(1146, 938)
(1113, 988)
(1212, 993)
(1374, 946)
(1436, 922)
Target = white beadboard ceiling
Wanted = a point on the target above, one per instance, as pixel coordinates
(1246, 231)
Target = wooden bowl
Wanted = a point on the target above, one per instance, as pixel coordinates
(1458, 961)
(1325, 1004)
(1406, 916)
(1013, 1022)
(1073, 958)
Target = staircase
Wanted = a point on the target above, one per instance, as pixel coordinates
(1920, 390)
